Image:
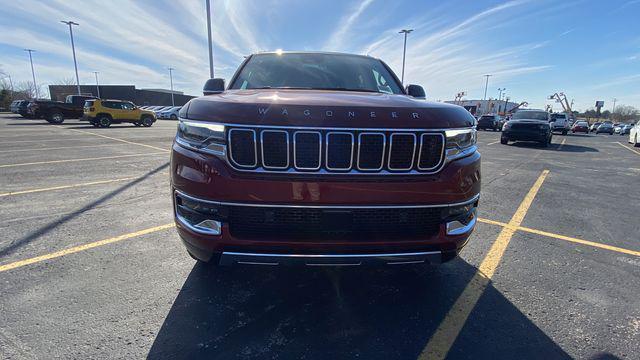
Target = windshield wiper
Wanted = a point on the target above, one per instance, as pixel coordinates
(348, 89)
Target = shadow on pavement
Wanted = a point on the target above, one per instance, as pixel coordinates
(554, 147)
(13, 246)
(336, 313)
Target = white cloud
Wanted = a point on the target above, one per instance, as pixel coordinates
(337, 39)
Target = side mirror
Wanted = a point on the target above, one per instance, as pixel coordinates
(213, 86)
(416, 91)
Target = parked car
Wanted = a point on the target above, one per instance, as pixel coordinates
(605, 127)
(171, 113)
(626, 129)
(490, 122)
(160, 109)
(634, 134)
(580, 126)
(56, 111)
(560, 123)
(19, 107)
(594, 126)
(103, 113)
(279, 166)
(528, 125)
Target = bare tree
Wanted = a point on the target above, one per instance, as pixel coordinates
(625, 113)
(66, 81)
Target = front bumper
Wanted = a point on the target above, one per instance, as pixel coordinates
(525, 135)
(209, 181)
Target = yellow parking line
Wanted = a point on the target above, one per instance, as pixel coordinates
(121, 140)
(628, 148)
(75, 249)
(20, 192)
(562, 143)
(580, 241)
(444, 336)
(76, 160)
(58, 148)
(563, 237)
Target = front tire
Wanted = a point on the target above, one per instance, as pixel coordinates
(104, 121)
(504, 140)
(174, 117)
(635, 141)
(147, 122)
(55, 118)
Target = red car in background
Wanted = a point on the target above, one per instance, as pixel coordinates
(580, 126)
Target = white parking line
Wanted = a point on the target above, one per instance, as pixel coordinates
(493, 142)
(628, 148)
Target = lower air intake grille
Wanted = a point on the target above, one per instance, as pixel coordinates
(352, 224)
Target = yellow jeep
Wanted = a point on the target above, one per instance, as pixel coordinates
(103, 113)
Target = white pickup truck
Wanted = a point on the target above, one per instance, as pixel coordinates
(560, 123)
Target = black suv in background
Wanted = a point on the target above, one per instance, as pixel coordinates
(490, 122)
(528, 125)
(56, 111)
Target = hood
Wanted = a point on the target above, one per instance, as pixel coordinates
(325, 108)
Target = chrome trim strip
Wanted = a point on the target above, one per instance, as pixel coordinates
(286, 134)
(466, 202)
(255, 148)
(331, 128)
(295, 162)
(413, 154)
(232, 258)
(384, 147)
(444, 144)
(327, 150)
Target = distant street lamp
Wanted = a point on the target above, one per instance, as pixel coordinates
(73, 49)
(97, 85)
(486, 84)
(33, 73)
(210, 42)
(171, 79)
(404, 51)
(500, 94)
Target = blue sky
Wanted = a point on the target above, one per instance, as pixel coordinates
(588, 49)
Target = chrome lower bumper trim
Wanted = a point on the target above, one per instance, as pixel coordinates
(459, 228)
(233, 258)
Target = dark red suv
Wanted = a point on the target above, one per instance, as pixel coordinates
(323, 159)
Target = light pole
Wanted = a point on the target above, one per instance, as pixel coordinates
(171, 79)
(500, 93)
(33, 73)
(486, 84)
(404, 51)
(97, 85)
(73, 49)
(210, 42)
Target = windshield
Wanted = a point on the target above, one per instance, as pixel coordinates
(534, 115)
(316, 71)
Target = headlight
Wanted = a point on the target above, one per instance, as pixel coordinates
(460, 139)
(200, 135)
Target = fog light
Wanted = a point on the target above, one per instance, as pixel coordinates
(210, 227)
(460, 226)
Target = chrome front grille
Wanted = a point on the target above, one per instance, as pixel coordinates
(290, 150)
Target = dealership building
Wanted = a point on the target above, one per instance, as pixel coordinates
(480, 107)
(139, 97)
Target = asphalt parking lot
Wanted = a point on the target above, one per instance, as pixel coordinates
(91, 266)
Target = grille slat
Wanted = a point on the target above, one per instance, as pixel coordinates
(275, 149)
(307, 149)
(402, 147)
(243, 147)
(431, 147)
(339, 150)
(347, 151)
